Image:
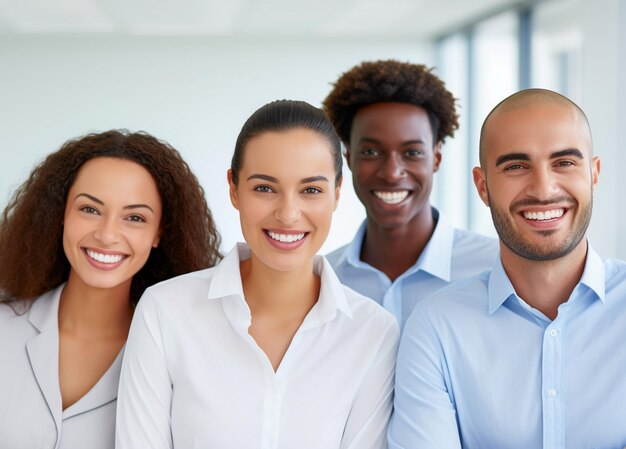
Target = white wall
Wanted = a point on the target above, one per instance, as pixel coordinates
(193, 92)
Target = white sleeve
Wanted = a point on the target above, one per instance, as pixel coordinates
(368, 420)
(145, 392)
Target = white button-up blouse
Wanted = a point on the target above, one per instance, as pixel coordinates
(193, 377)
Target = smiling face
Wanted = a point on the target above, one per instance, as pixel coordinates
(538, 178)
(286, 195)
(111, 222)
(393, 157)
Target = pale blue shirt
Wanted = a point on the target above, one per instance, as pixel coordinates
(479, 368)
(450, 255)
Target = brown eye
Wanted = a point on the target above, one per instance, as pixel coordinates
(370, 152)
(312, 190)
(136, 218)
(89, 210)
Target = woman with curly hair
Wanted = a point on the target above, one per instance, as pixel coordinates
(267, 349)
(95, 224)
(393, 118)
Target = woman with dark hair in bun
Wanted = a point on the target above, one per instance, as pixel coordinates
(95, 224)
(267, 349)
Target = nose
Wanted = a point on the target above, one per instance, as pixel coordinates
(543, 184)
(288, 210)
(392, 168)
(107, 231)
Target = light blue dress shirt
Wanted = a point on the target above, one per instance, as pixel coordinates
(479, 368)
(450, 255)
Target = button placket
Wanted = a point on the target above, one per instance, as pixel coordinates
(552, 378)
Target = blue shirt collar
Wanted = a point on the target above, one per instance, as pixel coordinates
(500, 287)
(226, 281)
(436, 258)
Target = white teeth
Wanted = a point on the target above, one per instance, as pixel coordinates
(105, 258)
(547, 215)
(391, 197)
(286, 238)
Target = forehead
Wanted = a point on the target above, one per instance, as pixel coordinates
(400, 121)
(110, 176)
(537, 130)
(297, 153)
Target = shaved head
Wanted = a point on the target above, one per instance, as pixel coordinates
(529, 98)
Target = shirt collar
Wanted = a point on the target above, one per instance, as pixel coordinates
(43, 313)
(226, 281)
(593, 274)
(436, 258)
(500, 287)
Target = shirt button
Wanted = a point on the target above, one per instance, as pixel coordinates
(552, 392)
(554, 333)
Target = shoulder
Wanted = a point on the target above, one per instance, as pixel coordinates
(461, 300)
(18, 310)
(20, 320)
(178, 290)
(615, 273)
(336, 257)
(12, 314)
(472, 253)
(367, 312)
(472, 240)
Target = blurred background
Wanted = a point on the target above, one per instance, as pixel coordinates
(191, 71)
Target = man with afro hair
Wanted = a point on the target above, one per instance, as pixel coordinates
(393, 118)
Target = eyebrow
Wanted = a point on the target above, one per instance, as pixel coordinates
(276, 181)
(512, 157)
(130, 206)
(569, 152)
(406, 142)
(524, 157)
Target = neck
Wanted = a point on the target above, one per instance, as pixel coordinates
(89, 311)
(545, 285)
(393, 250)
(279, 293)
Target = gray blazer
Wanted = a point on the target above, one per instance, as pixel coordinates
(31, 414)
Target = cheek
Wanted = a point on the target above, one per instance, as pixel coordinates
(142, 241)
(322, 210)
(362, 171)
(250, 211)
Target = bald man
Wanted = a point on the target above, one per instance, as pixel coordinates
(532, 353)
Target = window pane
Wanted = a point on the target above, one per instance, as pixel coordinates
(495, 75)
(452, 181)
(556, 48)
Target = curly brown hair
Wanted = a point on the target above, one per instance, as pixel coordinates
(32, 260)
(391, 81)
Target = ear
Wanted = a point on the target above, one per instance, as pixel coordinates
(338, 193)
(480, 181)
(348, 159)
(595, 171)
(232, 189)
(157, 239)
(436, 156)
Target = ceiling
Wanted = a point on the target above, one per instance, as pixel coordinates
(245, 18)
